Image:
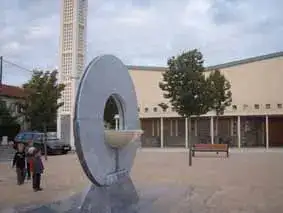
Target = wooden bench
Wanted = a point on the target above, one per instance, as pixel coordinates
(210, 148)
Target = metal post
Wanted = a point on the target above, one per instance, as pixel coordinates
(190, 142)
(239, 131)
(186, 134)
(211, 130)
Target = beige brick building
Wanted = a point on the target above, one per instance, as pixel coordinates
(255, 117)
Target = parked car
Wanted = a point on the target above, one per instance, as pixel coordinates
(54, 145)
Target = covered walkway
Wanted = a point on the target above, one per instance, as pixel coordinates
(238, 131)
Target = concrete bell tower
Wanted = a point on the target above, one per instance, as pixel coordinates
(72, 53)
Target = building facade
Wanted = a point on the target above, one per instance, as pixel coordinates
(72, 61)
(255, 117)
(13, 97)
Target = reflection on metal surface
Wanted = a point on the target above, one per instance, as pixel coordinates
(119, 139)
(116, 176)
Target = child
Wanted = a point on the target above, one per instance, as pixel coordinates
(29, 153)
(20, 163)
(36, 167)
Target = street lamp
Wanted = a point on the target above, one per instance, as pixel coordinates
(116, 117)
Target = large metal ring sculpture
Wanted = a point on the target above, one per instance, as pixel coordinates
(105, 155)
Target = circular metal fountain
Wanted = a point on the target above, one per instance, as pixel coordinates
(106, 155)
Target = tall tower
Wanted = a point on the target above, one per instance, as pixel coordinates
(72, 60)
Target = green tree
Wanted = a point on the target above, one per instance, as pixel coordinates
(221, 94)
(41, 104)
(185, 86)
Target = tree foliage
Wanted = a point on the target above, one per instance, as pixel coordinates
(220, 92)
(221, 95)
(185, 86)
(41, 104)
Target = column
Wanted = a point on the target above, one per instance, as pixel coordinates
(58, 126)
(267, 131)
(186, 134)
(239, 131)
(161, 133)
(211, 130)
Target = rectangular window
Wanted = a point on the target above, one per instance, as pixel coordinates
(176, 127)
(158, 128)
(171, 127)
(152, 129)
(3, 103)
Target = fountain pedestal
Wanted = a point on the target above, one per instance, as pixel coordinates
(120, 197)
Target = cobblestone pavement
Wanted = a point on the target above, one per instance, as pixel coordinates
(247, 181)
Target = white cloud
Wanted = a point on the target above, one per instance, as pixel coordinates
(42, 28)
(145, 32)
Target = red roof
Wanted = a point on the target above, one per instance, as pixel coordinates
(12, 91)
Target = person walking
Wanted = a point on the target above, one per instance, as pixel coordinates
(20, 162)
(29, 154)
(37, 168)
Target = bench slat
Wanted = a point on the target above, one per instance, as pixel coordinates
(210, 148)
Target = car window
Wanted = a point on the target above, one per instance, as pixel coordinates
(28, 136)
(20, 136)
(23, 137)
(37, 137)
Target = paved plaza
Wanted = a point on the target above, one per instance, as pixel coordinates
(248, 181)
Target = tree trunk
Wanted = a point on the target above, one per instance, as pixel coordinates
(190, 140)
(216, 128)
(45, 139)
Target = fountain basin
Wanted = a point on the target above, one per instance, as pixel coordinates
(120, 138)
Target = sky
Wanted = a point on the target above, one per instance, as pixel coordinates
(141, 32)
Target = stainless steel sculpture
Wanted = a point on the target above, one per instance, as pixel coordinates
(107, 155)
(119, 139)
